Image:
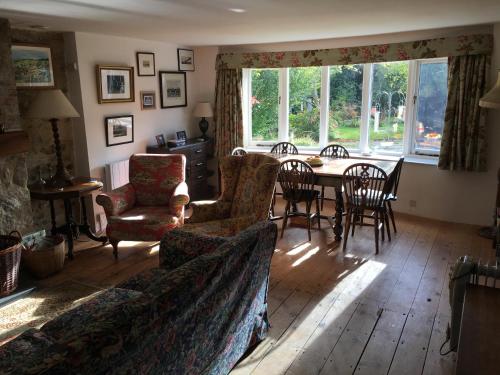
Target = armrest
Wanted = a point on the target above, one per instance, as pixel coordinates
(118, 200)
(179, 199)
(178, 247)
(208, 210)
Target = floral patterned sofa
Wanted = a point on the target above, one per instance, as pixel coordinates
(247, 189)
(196, 314)
(151, 204)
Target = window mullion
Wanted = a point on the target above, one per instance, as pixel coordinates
(324, 106)
(366, 101)
(410, 118)
(283, 105)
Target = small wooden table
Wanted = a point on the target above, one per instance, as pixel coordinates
(479, 343)
(330, 174)
(82, 188)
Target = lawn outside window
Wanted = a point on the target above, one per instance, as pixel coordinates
(390, 108)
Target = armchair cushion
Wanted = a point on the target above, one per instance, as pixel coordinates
(209, 210)
(117, 201)
(223, 227)
(147, 223)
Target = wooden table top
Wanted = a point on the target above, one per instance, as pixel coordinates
(82, 186)
(479, 345)
(336, 167)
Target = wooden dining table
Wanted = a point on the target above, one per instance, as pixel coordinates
(330, 174)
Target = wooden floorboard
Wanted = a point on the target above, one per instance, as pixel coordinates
(333, 312)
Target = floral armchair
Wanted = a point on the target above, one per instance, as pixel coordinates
(151, 204)
(247, 189)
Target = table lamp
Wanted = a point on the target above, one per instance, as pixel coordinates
(52, 105)
(203, 110)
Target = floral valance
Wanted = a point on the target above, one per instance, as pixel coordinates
(422, 49)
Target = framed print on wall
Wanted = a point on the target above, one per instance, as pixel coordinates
(148, 100)
(173, 89)
(119, 130)
(115, 84)
(145, 64)
(32, 66)
(185, 60)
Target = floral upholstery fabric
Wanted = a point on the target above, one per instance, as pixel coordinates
(152, 203)
(198, 318)
(247, 188)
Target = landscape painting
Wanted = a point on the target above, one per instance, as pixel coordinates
(119, 130)
(32, 66)
(173, 89)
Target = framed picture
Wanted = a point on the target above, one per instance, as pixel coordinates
(181, 136)
(145, 64)
(119, 130)
(185, 59)
(32, 66)
(160, 140)
(148, 100)
(173, 89)
(115, 84)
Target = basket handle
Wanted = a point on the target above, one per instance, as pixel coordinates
(16, 233)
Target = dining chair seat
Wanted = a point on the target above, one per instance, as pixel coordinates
(301, 195)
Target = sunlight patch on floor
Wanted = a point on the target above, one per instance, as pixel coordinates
(306, 256)
(299, 249)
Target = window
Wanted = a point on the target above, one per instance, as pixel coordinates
(381, 108)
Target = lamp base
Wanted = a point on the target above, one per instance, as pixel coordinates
(61, 179)
(203, 124)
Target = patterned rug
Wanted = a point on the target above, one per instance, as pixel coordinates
(40, 306)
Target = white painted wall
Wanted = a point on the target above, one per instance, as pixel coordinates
(94, 49)
(463, 197)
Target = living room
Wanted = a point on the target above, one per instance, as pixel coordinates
(111, 115)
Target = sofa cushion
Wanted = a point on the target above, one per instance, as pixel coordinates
(144, 280)
(151, 222)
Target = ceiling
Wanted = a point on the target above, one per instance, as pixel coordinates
(231, 22)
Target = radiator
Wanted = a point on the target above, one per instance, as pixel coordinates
(467, 271)
(116, 174)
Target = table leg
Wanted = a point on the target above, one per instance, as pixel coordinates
(339, 208)
(69, 226)
(53, 231)
(85, 227)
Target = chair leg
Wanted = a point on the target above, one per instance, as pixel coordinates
(382, 223)
(114, 243)
(347, 227)
(322, 196)
(387, 225)
(318, 213)
(391, 213)
(285, 219)
(308, 213)
(376, 232)
(353, 221)
(273, 202)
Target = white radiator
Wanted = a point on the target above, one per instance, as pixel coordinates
(116, 174)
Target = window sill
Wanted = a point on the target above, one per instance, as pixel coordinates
(412, 159)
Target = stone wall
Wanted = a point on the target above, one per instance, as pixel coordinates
(15, 208)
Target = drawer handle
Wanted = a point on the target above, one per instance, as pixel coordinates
(199, 151)
(199, 164)
(200, 177)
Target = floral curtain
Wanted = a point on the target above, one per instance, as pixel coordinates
(228, 111)
(481, 44)
(463, 146)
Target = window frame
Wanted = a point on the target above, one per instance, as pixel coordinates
(409, 141)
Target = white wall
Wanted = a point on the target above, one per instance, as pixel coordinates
(463, 197)
(94, 49)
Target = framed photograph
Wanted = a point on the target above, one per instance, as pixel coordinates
(173, 89)
(181, 136)
(115, 84)
(160, 140)
(145, 64)
(185, 59)
(32, 66)
(148, 100)
(119, 130)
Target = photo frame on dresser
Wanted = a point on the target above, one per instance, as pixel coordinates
(173, 89)
(115, 84)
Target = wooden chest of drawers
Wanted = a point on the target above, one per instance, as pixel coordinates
(197, 154)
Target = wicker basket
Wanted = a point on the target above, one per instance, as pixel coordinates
(47, 258)
(10, 256)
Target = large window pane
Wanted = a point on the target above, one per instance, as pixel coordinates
(346, 91)
(304, 105)
(387, 113)
(431, 105)
(264, 102)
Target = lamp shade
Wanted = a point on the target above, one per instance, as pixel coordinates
(492, 97)
(203, 110)
(51, 104)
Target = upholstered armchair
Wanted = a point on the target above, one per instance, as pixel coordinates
(151, 204)
(247, 189)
